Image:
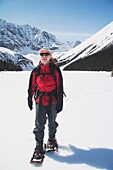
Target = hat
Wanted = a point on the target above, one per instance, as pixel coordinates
(44, 50)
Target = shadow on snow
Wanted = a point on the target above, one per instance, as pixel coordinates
(101, 158)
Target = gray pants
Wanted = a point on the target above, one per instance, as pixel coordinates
(40, 121)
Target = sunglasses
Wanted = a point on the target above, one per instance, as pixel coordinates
(44, 54)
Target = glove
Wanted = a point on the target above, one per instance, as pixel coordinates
(30, 102)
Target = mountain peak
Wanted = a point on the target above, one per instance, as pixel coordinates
(28, 39)
(24, 40)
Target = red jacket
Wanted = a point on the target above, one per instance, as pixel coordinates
(45, 83)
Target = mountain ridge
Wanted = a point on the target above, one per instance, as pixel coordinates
(27, 39)
(24, 41)
(102, 40)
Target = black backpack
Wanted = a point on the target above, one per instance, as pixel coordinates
(59, 96)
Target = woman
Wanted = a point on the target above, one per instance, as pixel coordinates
(46, 85)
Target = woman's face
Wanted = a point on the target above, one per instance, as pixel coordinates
(45, 58)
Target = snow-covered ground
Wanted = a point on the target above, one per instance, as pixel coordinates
(85, 124)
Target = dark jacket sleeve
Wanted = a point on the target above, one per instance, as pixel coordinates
(32, 83)
(60, 93)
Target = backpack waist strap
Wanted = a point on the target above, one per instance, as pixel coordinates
(50, 94)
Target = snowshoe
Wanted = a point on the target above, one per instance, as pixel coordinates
(52, 145)
(38, 156)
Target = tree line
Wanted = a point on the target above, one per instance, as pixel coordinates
(9, 66)
(100, 61)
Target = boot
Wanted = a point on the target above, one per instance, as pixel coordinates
(38, 154)
(52, 144)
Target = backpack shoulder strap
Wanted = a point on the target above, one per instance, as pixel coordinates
(37, 70)
(52, 70)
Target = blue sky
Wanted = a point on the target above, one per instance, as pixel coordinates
(69, 20)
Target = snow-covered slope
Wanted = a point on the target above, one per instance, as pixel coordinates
(97, 42)
(85, 124)
(18, 59)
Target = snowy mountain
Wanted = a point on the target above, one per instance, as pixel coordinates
(27, 39)
(85, 124)
(10, 60)
(24, 41)
(102, 40)
(93, 54)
